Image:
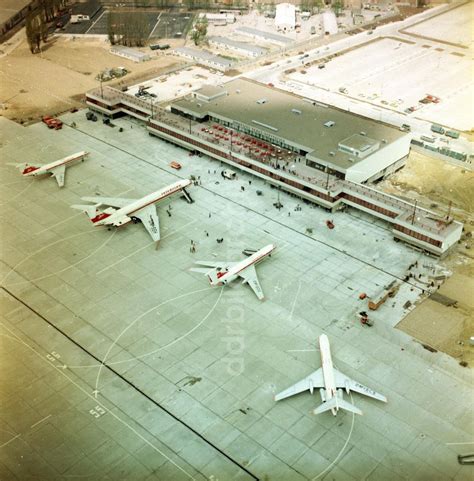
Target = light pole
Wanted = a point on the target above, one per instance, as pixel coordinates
(414, 213)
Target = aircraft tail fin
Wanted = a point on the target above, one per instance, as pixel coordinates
(213, 277)
(337, 403)
(90, 210)
(24, 167)
(18, 165)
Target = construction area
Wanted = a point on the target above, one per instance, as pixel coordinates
(121, 363)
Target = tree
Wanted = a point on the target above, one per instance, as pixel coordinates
(317, 4)
(37, 22)
(306, 5)
(111, 28)
(34, 31)
(44, 30)
(50, 8)
(126, 29)
(338, 6)
(199, 31)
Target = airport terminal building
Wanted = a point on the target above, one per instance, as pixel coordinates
(347, 145)
(321, 154)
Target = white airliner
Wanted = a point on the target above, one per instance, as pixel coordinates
(224, 272)
(330, 383)
(123, 211)
(57, 168)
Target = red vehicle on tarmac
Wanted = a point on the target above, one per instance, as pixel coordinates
(52, 122)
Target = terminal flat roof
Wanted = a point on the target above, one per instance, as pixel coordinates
(210, 90)
(292, 118)
(358, 142)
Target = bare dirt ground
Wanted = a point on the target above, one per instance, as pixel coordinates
(434, 183)
(55, 80)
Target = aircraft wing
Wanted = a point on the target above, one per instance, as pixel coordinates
(111, 201)
(249, 277)
(150, 220)
(58, 173)
(216, 264)
(342, 381)
(313, 381)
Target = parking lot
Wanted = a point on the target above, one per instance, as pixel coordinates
(156, 23)
(397, 74)
(119, 362)
(101, 25)
(172, 25)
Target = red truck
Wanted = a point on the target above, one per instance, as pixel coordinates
(52, 122)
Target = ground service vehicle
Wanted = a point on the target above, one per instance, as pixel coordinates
(437, 128)
(452, 133)
(229, 174)
(52, 122)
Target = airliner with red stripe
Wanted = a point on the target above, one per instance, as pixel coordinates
(57, 168)
(331, 384)
(122, 211)
(221, 273)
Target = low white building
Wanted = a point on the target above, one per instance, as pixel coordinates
(204, 57)
(285, 18)
(241, 48)
(130, 53)
(329, 23)
(218, 18)
(263, 36)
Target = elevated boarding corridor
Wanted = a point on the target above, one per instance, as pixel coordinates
(416, 226)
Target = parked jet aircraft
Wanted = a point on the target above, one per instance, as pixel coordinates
(222, 273)
(122, 211)
(57, 168)
(330, 380)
